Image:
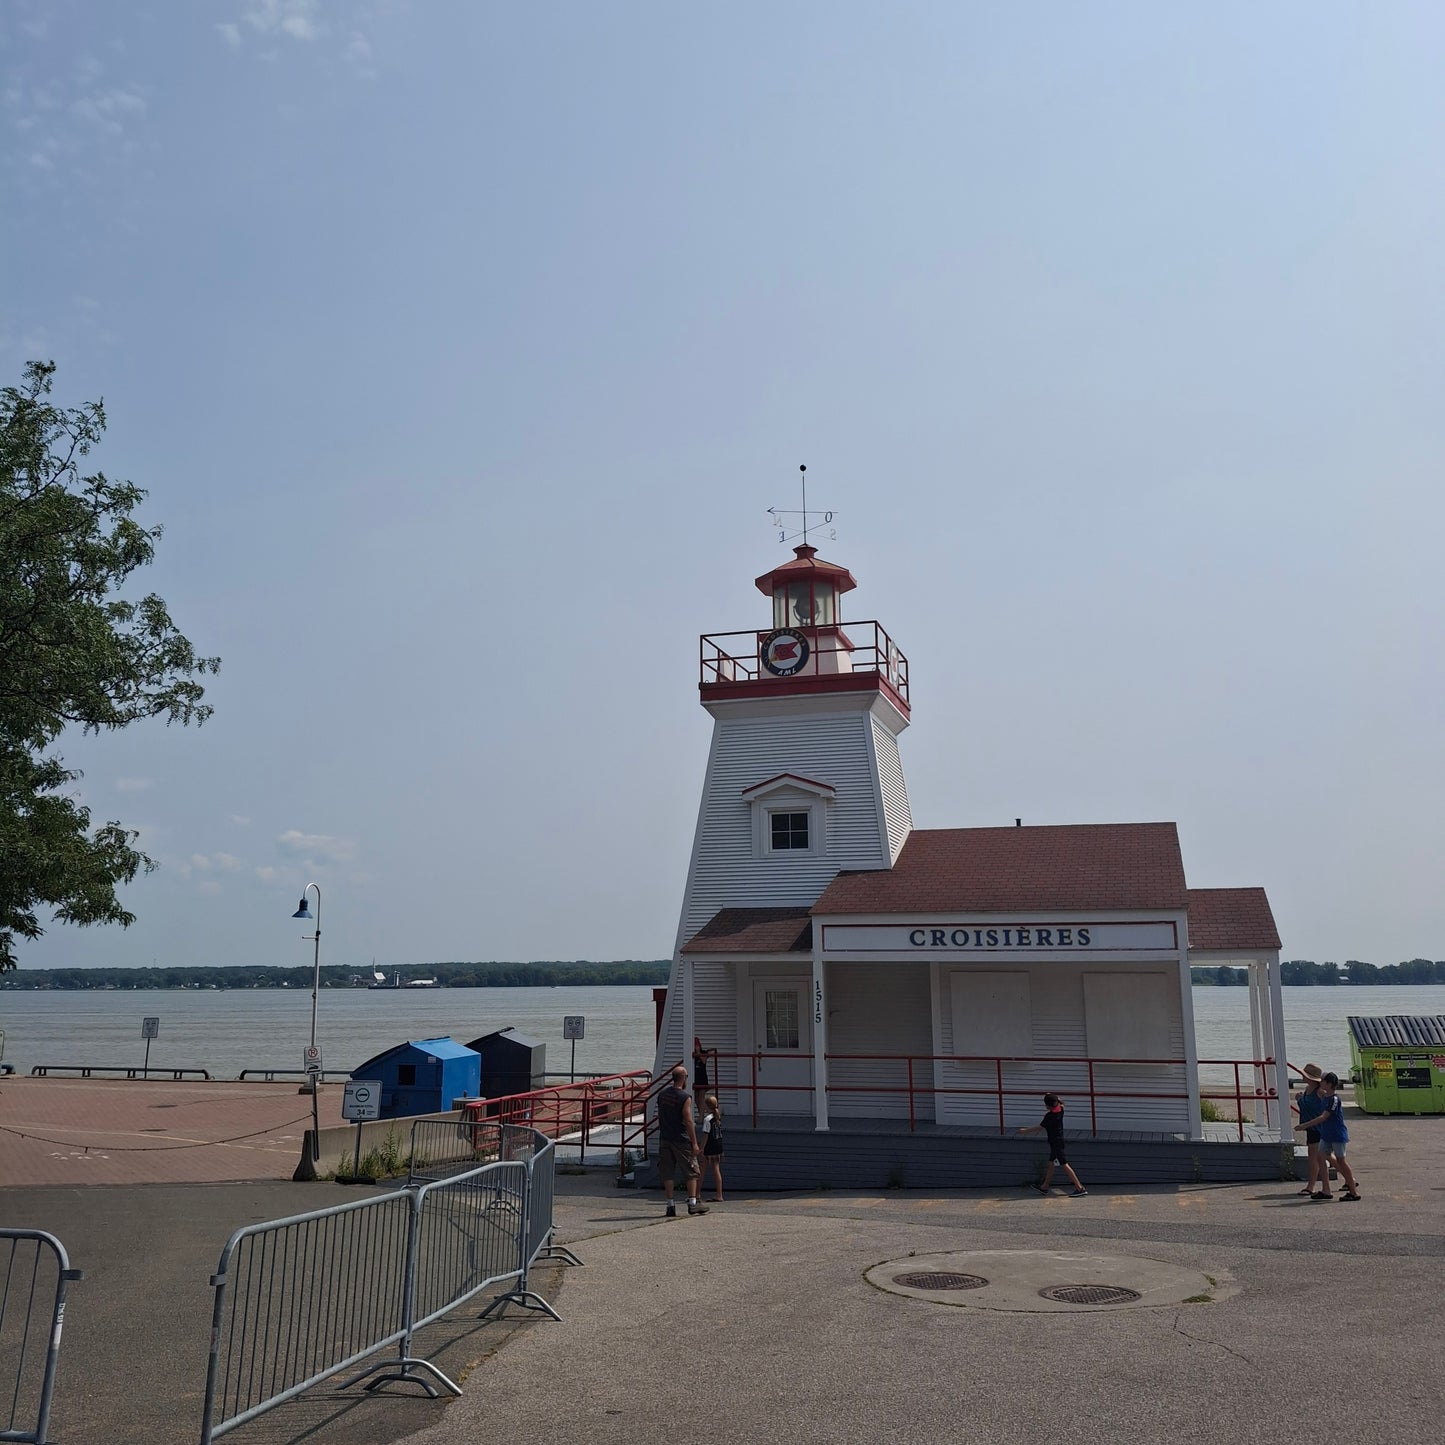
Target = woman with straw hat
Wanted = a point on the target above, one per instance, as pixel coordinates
(1309, 1106)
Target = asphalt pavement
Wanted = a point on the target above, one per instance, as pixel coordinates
(759, 1321)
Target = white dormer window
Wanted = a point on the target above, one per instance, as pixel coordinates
(790, 816)
(788, 830)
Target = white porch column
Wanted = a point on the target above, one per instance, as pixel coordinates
(820, 1048)
(1259, 1032)
(688, 1017)
(1281, 1066)
(1191, 1047)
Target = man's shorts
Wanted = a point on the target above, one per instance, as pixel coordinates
(1312, 1136)
(674, 1156)
(1056, 1154)
(1338, 1150)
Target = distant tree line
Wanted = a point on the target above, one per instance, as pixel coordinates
(1302, 973)
(448, 975)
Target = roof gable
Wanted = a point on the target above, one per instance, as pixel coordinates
(1231, 920)
(793, 781)
(754, 930)
(1090, 867)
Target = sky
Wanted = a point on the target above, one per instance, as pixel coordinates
(461, 350)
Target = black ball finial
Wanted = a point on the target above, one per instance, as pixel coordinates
(802, 469)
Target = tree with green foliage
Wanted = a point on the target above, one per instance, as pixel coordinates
(73, 654)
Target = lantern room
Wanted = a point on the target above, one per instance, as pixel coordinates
(805, 591)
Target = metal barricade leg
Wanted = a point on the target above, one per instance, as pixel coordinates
(523, 1294)
(9, 1282)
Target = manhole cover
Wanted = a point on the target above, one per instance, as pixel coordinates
(1090, 1294)
(940, 1279)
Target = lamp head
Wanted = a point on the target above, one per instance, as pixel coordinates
(302, 911)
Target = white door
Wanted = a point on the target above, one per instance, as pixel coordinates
(782, 1046)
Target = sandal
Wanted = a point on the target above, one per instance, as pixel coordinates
(1349, 1196)
(1306, 1192)
(1323, 1194)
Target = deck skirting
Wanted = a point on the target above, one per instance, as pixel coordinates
(779, 1157)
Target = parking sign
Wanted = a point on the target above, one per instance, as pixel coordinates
(360, 1099)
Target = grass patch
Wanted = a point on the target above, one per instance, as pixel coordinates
(1200, 1299)
(1211, 1113)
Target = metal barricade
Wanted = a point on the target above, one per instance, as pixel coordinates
(34, 1273)
(441, 1148)
(299, 1300)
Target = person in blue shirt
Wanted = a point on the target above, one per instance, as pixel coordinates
(1334, 1136)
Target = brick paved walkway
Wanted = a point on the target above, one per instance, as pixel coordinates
(103, 1131)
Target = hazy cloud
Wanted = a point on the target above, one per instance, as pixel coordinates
(240, 820)
(316, 845)
(296, 18)
(230, 33)
(133, 785)
(267, 875)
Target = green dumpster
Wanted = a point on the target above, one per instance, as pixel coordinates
(1399, 1063)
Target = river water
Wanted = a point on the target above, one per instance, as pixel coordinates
(226, 1031)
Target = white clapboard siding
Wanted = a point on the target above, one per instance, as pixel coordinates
(897, 815)
(727, 869)
(879, 1009)
(715, 1020)
(1057, 1004)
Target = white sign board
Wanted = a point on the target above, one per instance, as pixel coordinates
(311, 1058)
(360, 1100)
(1004, 936)
(150, 1028)
(574, 1026)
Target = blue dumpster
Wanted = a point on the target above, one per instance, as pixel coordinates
(424, 1076)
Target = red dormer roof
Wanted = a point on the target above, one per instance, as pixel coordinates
(805, 567)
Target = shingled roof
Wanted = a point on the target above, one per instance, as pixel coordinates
(1085, 866)
(1230, 919)
(754, 930)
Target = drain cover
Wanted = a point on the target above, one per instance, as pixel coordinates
(1090, 1294)
(939, 1279)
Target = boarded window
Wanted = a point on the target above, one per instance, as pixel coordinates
(1131, 1015)
(406, 1076)
(991, 1014)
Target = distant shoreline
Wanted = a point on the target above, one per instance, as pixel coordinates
(448, 975)
(1296, 973)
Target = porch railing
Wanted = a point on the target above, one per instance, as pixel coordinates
(604, 1113)
(920, 1082)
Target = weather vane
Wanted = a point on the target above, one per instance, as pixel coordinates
(779, 518)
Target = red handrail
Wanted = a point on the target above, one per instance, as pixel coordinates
(1268, 1095)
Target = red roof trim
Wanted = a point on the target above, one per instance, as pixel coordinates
(827, 788)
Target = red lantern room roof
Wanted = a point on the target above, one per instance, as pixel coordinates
(806, 567)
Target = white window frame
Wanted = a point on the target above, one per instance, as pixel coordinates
(789, 794)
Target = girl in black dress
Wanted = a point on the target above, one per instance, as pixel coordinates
(700, 1081)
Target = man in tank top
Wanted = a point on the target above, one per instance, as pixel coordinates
(677, 1147)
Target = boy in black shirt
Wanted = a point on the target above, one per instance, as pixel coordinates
(1052, 1124)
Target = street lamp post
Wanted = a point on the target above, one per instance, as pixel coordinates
(302, 911)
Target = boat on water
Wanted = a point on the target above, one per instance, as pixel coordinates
(380, 980)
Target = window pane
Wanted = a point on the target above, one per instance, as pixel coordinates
(781, 1009)
(790, 830)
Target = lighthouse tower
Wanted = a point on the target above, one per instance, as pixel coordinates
(803, 781)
